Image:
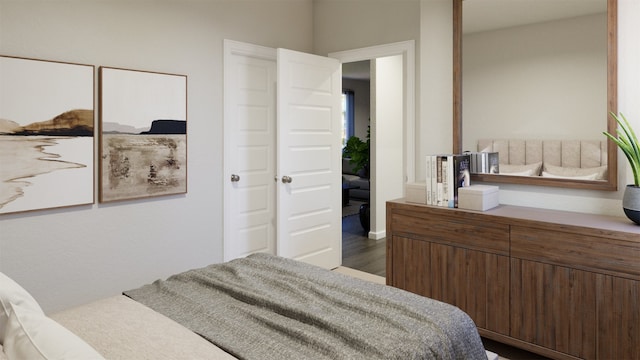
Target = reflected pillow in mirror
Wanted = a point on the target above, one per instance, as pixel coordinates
(578, 177)
(521, 170)
(592, 173)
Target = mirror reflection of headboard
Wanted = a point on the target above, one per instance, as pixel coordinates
(610, 183)
(577, 159)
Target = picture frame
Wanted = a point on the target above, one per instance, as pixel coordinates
(143, 134)
(47, 141)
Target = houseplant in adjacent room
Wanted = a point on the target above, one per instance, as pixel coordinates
(357, 151)
(628, 143)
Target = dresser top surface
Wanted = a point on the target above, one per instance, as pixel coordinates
(511, 213)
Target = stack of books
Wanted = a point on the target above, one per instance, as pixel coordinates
(446, 173)
(484, 162)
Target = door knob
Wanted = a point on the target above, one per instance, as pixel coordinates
(286, 179)
(235, 178)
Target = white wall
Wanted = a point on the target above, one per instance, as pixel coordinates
(71, 256)
(434, 125)
(351, 24)
(628, 74)
(388, 131)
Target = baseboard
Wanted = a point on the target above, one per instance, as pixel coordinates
(377, 235)
(360, 274)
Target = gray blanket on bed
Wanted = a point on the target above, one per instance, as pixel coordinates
(267, 307)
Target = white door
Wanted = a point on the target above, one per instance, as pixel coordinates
(307, 211)
(249, 150)
(309, 162)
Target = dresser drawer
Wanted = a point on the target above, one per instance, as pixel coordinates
(455, 231)
(579, 251)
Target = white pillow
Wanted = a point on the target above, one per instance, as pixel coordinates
(2, 355)
(32, 335)
(11, 292)
(592, 173)
(521, 170)
(593, 176)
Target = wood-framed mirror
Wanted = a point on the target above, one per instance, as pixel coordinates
(609, 183)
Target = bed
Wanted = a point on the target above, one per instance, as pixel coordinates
(259, 307)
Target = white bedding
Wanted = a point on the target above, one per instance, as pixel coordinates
(121, 328)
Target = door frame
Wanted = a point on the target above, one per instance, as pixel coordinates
(323, 222)
(407, 50)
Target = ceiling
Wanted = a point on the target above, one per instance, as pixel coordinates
(359, 70)
(483, 15)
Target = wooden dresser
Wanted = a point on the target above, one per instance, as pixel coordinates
(562, 284)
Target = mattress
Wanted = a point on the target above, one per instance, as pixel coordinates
(121, 328)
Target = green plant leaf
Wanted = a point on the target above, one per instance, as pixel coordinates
(358, 152)
(627, 141)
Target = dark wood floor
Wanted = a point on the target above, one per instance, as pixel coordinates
(358, 251)
(361, 253)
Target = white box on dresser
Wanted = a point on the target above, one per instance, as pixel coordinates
(416, 192)
(478, 197)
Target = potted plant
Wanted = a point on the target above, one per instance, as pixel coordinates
(628, 143)
(357, 151)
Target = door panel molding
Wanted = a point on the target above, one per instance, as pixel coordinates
(309, 127)
(249, 150)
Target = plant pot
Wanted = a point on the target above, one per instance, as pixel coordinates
(365, 216)
(631, 203)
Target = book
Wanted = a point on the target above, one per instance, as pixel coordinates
(434, 180)
(493, 163)
(447, 186)
(439, 194)
(451, 180)
(429, 198)
(484, 162)
(461, 172)
(445, 174)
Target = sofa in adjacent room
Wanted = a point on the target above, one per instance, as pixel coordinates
(359, 181)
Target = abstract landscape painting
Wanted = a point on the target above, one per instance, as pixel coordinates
(143, 149)
(46, 134)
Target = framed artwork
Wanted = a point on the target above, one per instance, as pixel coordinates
(46, 134)
(143, 134)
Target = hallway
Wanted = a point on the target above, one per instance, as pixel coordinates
(360, 252)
